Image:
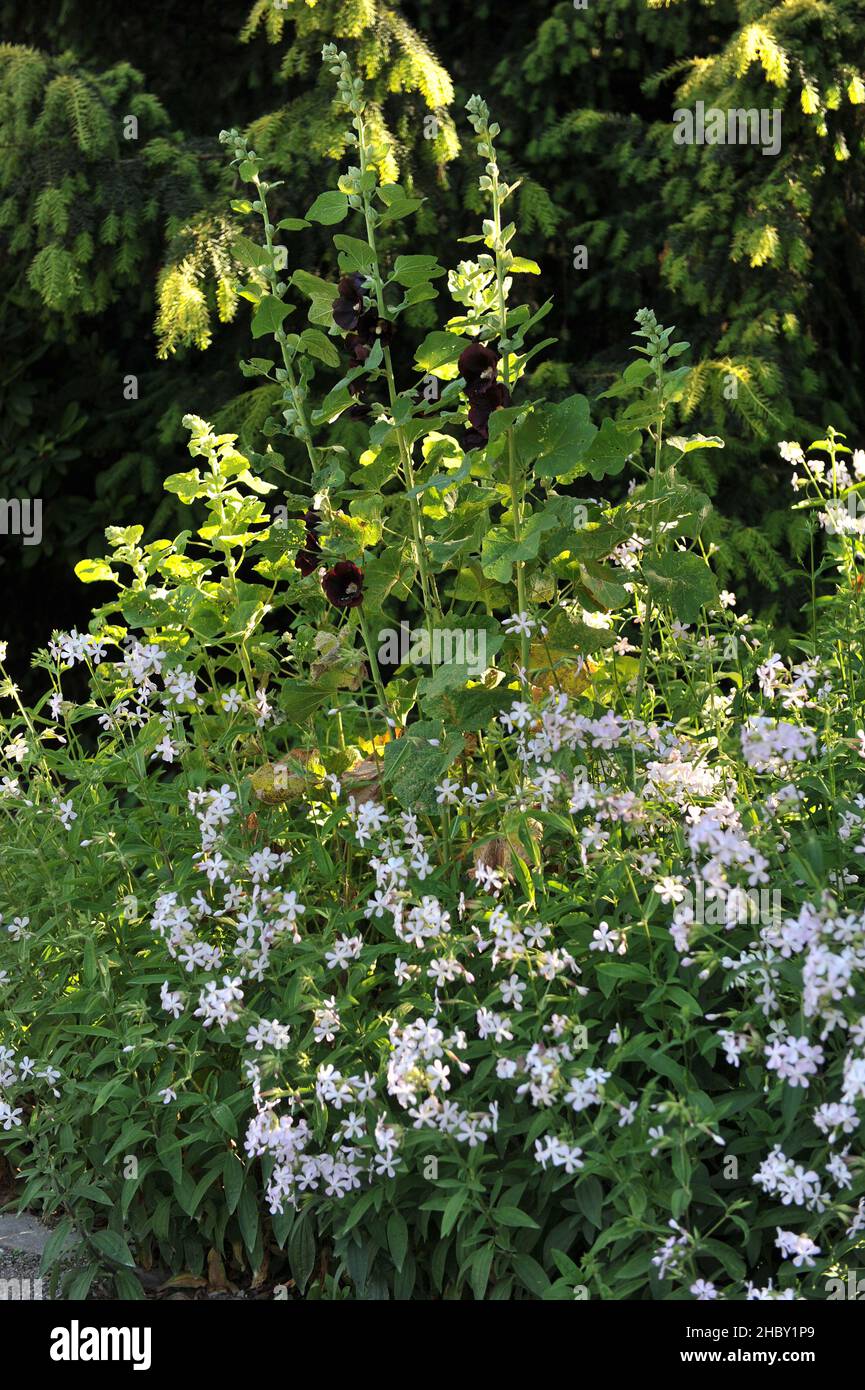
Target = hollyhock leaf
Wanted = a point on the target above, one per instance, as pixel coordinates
(630, 381)
(453, 676)
(269, 315)
(498, 553)
(94, 571)
(299, 699)
(354, 254)
(472, 709)
(695, 441)
(317, 344)
(256, 366)
(565, 636)
(394, 566)
(419, 294)
(413, 270)
(556, 437)
(438, 355)
(503, 419)
(597, 540)
(187, 486)
(328, 208)
(680, 508)
(249, 253)
(413, 767)
(603, 584)
(321, 292)
(680, 581)
(609, 450)
(397, 204)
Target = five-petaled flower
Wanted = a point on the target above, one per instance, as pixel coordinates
(343, 585)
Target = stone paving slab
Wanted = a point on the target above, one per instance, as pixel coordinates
(23, 1233)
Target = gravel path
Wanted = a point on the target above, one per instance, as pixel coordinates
(22, 1240)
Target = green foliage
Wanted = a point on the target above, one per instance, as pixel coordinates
(432, 1067)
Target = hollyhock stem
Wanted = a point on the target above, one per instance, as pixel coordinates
(272, 276)
(513, 473)
(373, 662)
(430, 595)
(647, 612)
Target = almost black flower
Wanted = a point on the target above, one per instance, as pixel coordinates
(343, 585)
(477, 366)
(358, 349)
(348, 306)
(371, 329)
(360, 410)
(306, 560)
(495, 397)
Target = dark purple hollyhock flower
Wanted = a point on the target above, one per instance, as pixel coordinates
(477, 366)
(348, 306)
(343, 585)
(371, 329)
(481, 408)
(358, 350)
(360, 410)
(307, 559)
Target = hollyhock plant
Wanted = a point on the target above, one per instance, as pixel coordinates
(485, 921)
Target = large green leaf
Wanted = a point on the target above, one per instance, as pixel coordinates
(328, 208)
(413, 766)
(609, 450)
(680, 581)
(556, 437)
(269, 315)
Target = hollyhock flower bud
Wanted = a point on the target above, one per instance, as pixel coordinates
(307, 558)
